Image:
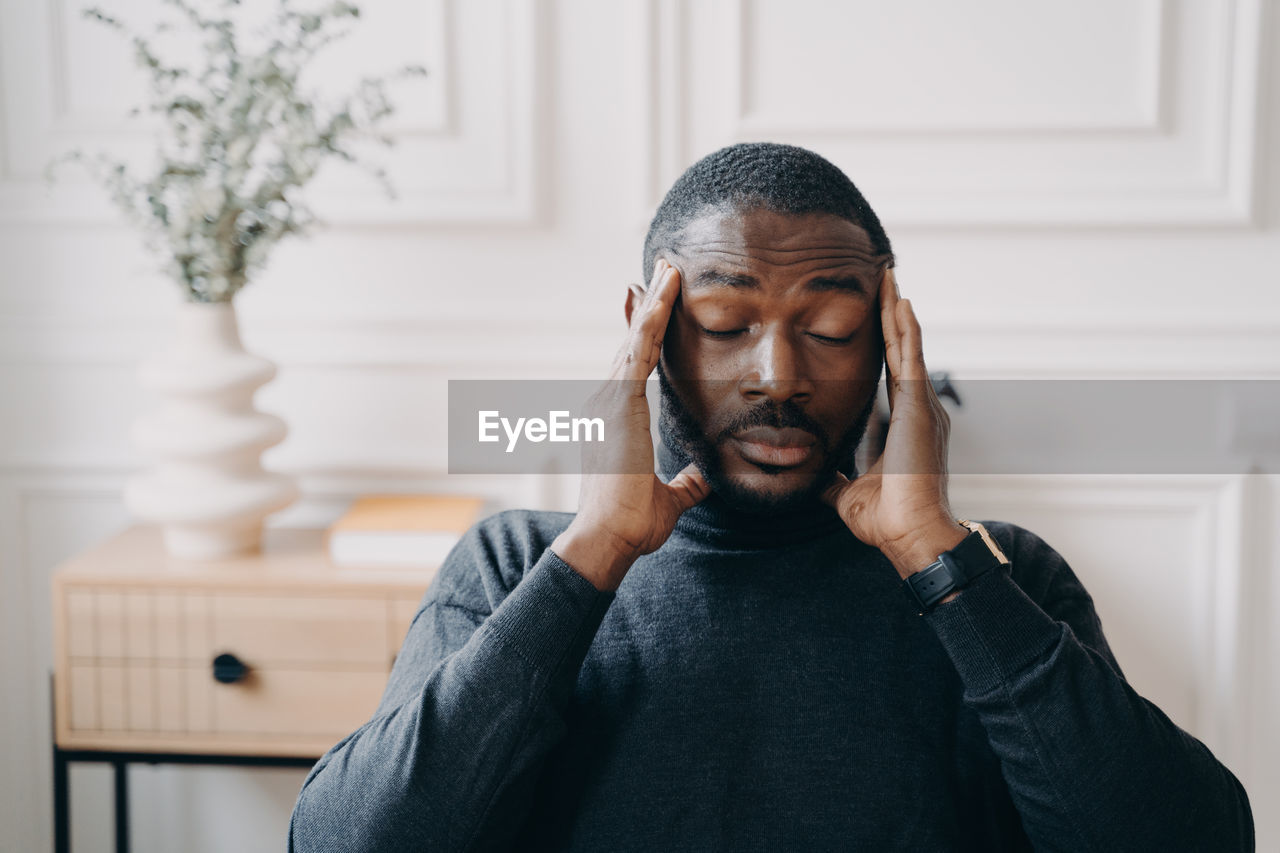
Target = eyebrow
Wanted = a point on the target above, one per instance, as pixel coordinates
(721, 278)
(844, 283)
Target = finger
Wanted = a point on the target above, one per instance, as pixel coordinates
(889, 300)
(660, 268)
(889, 329)
(625, 354)
(913, 353)
(915, 373)
(648, 329)
(688, 487)
(832, 493)
(922, 421)
(912, 345)
(657, 316)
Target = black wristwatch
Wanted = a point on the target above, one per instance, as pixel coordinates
(976, 554)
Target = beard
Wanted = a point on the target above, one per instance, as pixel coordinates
(689, 442)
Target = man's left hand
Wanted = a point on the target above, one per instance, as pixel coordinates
(900, 504)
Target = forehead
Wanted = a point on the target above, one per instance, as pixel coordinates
(766, 238)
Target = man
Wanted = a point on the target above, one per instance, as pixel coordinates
(725, 657)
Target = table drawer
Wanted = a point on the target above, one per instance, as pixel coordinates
(141, 699)
(296, 702)
(138, 667)
(278, 630)
(196, 626)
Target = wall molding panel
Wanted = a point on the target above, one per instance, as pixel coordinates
(1210, 694)
(466, 146)
(1182, 155)
(1145, 115)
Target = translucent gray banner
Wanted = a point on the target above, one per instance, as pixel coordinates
(997, 426)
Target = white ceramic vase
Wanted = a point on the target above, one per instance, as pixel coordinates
(207, 488)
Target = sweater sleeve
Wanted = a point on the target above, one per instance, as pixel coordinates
(474, 703)
(1090, 764)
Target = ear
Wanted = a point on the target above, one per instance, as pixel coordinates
(635, 295)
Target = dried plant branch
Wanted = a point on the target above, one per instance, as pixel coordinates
(240, 140)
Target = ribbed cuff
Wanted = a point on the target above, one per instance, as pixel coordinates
(552, 611)
(992, 630)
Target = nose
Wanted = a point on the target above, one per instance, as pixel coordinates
(775, 370)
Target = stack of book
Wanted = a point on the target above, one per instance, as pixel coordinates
(411, 531)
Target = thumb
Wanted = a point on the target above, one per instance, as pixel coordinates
(688, 487)
(831, 494)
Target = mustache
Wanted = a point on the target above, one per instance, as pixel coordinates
(771, 413)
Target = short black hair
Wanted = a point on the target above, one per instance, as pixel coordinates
(780, 178)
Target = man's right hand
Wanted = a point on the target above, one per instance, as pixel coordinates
(624, 510)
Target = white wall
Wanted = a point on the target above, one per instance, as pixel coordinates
(1073, 190)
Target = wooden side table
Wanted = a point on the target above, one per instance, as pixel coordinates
(267, 659)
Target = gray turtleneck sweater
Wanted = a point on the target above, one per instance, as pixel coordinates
(760, 684)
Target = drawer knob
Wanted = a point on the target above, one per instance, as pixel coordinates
(228, 669)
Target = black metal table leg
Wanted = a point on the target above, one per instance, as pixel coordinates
(61, 804)
(122, 805)
(120, 761)
(62, 790)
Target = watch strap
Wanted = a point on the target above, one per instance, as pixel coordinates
(953, 569)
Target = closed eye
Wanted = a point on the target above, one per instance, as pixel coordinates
(720, 334)
(823, 339)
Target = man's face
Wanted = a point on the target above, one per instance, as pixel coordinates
(773, 353)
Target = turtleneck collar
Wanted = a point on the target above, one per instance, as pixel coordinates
(713, 521)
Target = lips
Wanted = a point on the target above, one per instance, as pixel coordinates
(781, 448)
